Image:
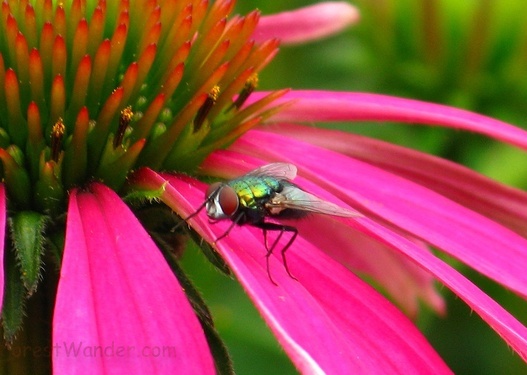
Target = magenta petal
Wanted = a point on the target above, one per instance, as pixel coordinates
(506, 325)
(413, 208)
(119, 308)
(317, 106)
(498, 201)
(3, 216)
(404, 281)
(306, 24)
(328, 321)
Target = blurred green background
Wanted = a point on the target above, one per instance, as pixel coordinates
(470, 54)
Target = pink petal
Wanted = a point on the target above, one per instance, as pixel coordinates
(313, 106)
(117, 300)
(506, 325)
(490, 198)
(460, 232)
(404, 281)
(513, 332)
(3, 216)
(308, 23)
(329, 321)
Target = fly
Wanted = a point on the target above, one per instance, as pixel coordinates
(266, 192)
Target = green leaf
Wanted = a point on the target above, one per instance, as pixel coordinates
(27, 229)
(209, 252)
(218, 349)
(14, 298)
(140, 196)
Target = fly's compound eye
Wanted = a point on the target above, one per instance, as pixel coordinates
(213, 188)
(228, 200)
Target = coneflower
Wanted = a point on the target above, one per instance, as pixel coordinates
(106, 104)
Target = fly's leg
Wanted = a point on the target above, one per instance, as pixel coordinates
(282, 228)
(270, 249)
(235, 221)
(289, 243)
(265, 239)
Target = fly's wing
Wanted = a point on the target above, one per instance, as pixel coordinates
(295, 198)
(281, 171)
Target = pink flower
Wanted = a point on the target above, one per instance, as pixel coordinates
(71, 144)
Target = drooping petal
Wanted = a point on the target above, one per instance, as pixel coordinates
(119, 308)
(404, 281)
(328, 321)
(3, 218)
(320, 106)
(411, 207)
(498, 201)
(308, 23)
(506, 325)
(512, 331)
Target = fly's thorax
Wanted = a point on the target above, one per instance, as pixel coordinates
(253, 190)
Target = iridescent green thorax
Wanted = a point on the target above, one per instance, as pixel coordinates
(252, 189)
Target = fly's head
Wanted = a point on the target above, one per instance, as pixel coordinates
(222, 202)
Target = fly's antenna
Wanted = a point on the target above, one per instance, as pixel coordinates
(178, 225)
(201, 207)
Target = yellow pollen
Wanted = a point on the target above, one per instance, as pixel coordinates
(57, 133)
(58, 129)
(127, 114)
(252, 81)
(214, 93)
(124, 121)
